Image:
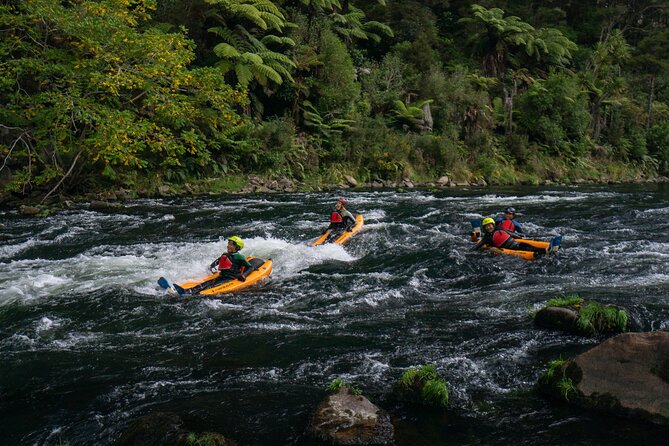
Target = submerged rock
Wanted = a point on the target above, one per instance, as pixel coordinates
(98, 205)
(163, 428)
(626, 375)
(347, 419)
(154, 430)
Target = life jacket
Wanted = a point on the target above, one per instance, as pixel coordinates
(336, 217)
(499, 237)
(508, 225)
(225, 262)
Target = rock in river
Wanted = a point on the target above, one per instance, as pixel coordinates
(347, 419)
(626, 375)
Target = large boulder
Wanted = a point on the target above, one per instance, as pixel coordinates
(344, 418)
(625, 375)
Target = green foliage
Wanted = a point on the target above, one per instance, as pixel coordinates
(339, 383)
(335, 85)
(565, 387)
(658, 145)
(95, 89)
(553, 367)
(96, 93)
(246, 47)
(597, 318)
(567, 301)
(206, 439)
(423, 385)
(554, 112)
(555, 376)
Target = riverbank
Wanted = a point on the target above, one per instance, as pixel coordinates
(158, 186)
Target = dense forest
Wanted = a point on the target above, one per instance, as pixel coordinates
(125, 93)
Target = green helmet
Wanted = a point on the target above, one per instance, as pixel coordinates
(487, 221)
(237, 241)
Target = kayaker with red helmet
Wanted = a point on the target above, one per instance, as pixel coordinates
(341, 220)
(507, 222)
(501, 238)
(230, 265)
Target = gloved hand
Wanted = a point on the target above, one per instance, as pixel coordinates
(213, 269)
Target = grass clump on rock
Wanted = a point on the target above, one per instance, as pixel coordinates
(555, 378)
(573, 313)
(423, 386)
(339, 383)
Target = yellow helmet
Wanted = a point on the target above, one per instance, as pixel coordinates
(487, 221)
(237, 241)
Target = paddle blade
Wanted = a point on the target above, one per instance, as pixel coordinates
(179, 290)
(163, 283)
(555, 244)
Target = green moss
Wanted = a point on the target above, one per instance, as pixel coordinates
(435, 393)
(338, 383)
(423, 386)
(206, 439)
(556, 369)
(227, 183)
(553, 366)
(593, 317)
(596, 317)
(566, 386)
(566, 301)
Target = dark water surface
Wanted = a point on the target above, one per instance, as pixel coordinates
(89, 342)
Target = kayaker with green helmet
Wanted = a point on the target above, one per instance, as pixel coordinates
(230, 265)
(501, 238)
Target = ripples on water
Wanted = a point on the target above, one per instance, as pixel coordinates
(89, 342)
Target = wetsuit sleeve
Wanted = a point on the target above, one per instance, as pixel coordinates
(518, 227)
(242, 261)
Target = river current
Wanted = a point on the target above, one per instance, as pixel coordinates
(89, 342)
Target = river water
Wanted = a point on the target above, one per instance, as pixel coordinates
(89, 342)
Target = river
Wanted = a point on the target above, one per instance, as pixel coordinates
(89, 342)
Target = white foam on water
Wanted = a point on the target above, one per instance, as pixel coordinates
(137, 267)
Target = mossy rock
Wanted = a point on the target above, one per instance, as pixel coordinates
(422, 386)
(625, 375)
(587, 318)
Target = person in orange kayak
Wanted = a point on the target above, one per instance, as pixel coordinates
(507, 222)
(230, 265)
(501, 238)
(341, 220)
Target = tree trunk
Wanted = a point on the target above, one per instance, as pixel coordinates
(509, 95)
(651, 97)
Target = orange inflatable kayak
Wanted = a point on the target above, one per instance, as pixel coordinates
(262, 269)
(359, 223)
(553, 245)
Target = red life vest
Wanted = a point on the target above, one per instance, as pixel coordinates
(499, 238)
(335, 217)
(508, 225)
(224, 262)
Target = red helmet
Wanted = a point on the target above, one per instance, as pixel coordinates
(342, 201)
